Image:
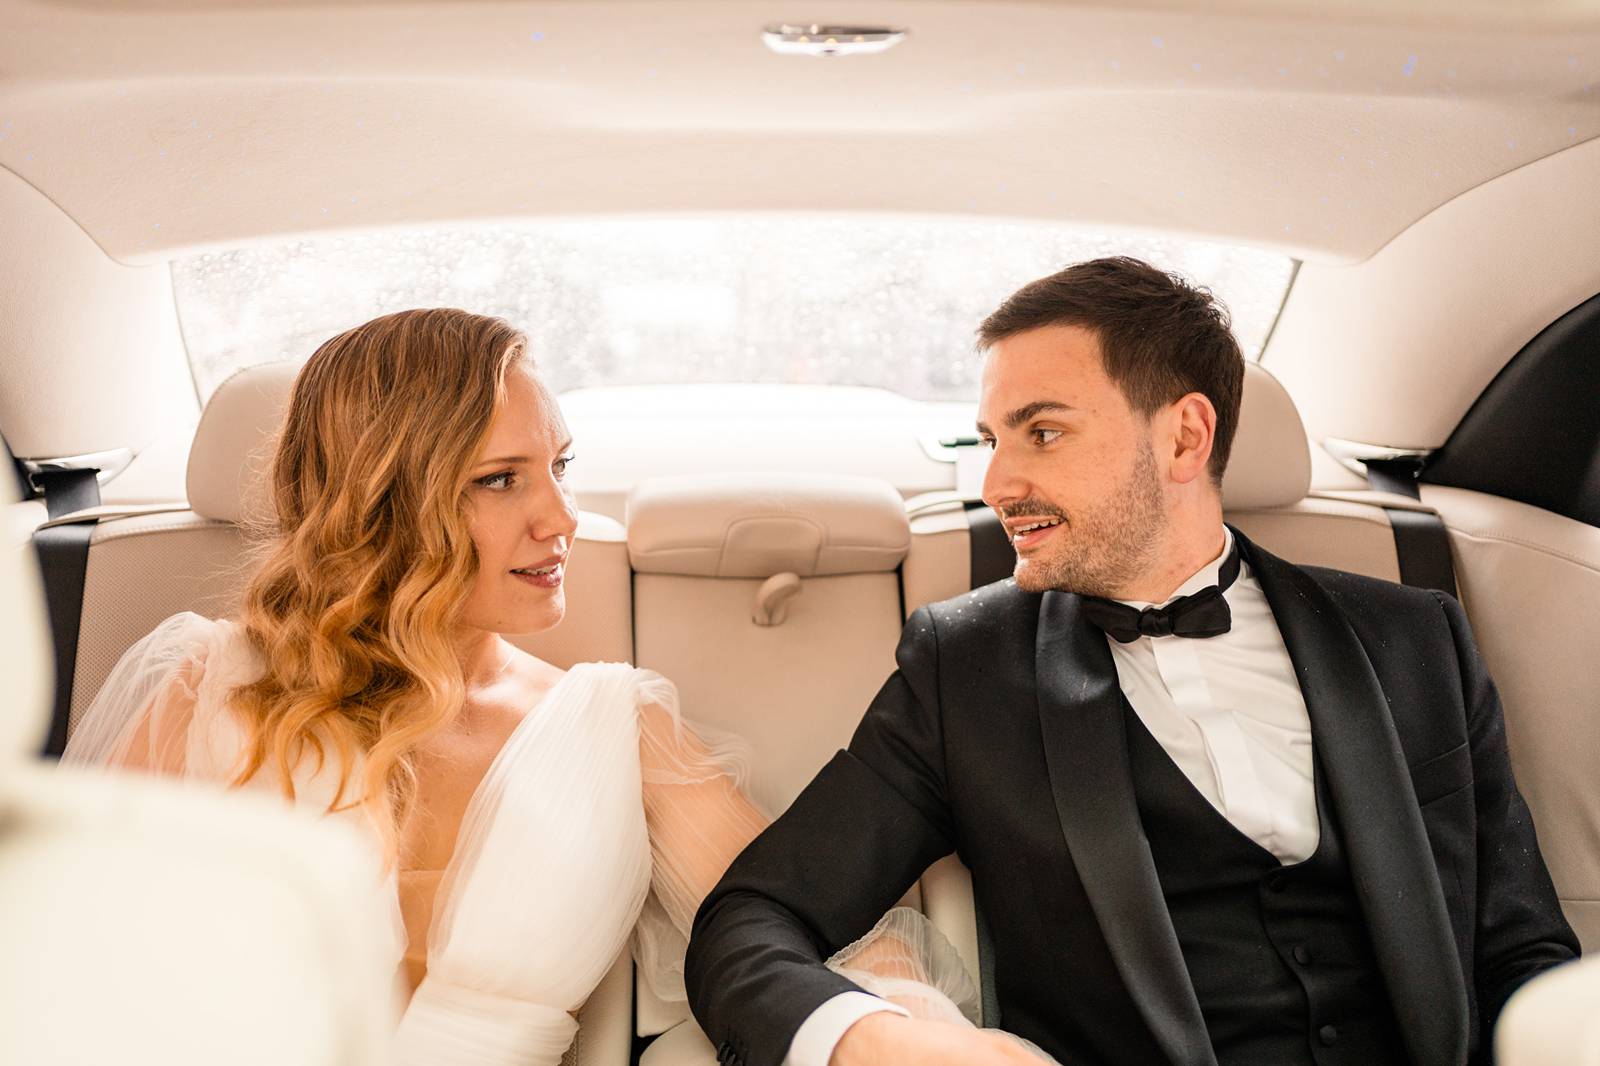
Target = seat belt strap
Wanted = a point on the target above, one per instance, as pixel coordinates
(66, 491)
(989, 1005)
(1422, 545)
(991, 558)
(989, 549)
(64, 564)
(1421, 541)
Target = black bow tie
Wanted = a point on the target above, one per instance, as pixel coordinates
(1202, 614)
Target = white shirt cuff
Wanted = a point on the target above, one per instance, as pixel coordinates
(817, 1036)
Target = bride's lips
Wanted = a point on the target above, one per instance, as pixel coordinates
(545, 574)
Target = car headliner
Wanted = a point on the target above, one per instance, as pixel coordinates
(161, 124)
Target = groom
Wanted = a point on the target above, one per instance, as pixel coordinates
(1272, 822)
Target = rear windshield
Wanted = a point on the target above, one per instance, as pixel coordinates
(885, 302)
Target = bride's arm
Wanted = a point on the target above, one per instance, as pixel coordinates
(156, 737)
(700, 819)
(141, 717)
(698, 815)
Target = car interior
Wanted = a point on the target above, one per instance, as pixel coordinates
(1397, 201)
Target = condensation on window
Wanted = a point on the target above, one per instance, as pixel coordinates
(885, 302)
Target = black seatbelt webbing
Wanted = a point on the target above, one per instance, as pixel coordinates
(1421, 541)
(63, 564)
(1422, 545)
(991, 558)
(989, 547)
(66, 491)
(1398, 476)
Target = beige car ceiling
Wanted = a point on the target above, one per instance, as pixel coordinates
(1433, 164)
(159, 125)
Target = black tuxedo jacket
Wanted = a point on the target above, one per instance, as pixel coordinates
(1001, 738)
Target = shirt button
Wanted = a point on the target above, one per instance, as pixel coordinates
(1278, 883)
(1328, 1035)
(1302, 955)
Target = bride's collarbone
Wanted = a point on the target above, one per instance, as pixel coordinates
(451, 764)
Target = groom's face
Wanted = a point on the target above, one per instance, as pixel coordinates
(1073, 476)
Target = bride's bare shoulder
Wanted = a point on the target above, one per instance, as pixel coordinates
(527, 679)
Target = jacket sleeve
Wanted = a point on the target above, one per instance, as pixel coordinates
(845, 851)
(1520, 928)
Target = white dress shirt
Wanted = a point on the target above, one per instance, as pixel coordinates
(1229, 712)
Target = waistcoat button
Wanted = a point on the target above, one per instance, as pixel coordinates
(1328, 1035)
(1302, 955)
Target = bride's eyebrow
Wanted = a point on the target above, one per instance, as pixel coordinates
(509, 460)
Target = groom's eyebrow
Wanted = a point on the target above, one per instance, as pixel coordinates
(1028, 411)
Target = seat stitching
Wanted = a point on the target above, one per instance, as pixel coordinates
(1507, 538)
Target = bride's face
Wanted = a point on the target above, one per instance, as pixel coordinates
(520, 512)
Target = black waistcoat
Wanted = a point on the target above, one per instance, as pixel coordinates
(1279, 956)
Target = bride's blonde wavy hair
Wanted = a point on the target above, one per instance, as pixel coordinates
(368, 560)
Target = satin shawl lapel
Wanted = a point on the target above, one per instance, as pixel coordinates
(1086, 751)
(1390, 859)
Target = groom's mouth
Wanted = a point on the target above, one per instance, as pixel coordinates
(1029, 531)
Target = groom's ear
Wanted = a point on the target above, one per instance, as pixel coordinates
(1186, 431)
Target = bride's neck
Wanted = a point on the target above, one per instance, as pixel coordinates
(483, 656)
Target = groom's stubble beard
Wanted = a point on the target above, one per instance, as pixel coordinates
(1106, 544)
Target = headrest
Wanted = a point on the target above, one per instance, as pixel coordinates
(26, 657)
(1270, 465)
(758, 525)
(233, 444)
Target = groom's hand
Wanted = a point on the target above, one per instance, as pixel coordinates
(886, 1039)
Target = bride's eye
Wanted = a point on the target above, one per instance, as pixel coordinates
(559, 467)
(497, 482)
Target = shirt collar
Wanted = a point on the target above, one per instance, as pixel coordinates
(1208, 575)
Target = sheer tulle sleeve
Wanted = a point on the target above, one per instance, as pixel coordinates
(906, 960)
(144, 715)
(699, 818)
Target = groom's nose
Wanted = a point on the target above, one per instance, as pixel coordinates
(1002, 483)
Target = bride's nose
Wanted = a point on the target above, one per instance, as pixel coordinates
(552, 512)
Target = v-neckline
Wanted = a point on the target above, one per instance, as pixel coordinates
(446, 887)
(532, 714)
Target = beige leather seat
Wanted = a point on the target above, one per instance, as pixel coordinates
(1530, 583)
(149, 924)
(774, 604)
(144, 568)
(1552, 1020)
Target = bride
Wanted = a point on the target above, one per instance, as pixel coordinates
(529, 820)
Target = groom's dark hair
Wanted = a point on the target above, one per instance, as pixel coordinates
(1160, 337)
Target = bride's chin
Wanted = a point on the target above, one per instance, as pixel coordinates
(518, 619)
(540, 618)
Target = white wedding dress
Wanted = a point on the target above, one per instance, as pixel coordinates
(601, 819)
